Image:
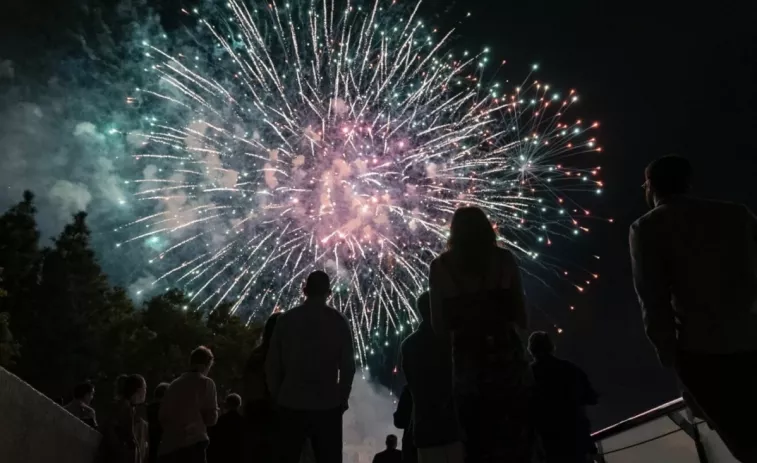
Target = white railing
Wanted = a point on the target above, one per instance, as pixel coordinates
(668, 433)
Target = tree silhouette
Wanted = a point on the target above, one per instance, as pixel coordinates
(71, 325)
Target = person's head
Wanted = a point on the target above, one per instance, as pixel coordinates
(317, 286)
(423, 304)
(270, 324)
(665, 177)
(471, 238)
(391, 441)
(134, 389)
(84, 392)
(540, 345)
(232, 402)
(160, 391)
(201, 360)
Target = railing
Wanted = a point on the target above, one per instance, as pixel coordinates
(669, 433)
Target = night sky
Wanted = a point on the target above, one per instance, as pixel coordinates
(661, 78)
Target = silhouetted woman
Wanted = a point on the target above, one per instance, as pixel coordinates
(477, 301)
(258, 406)
(125, 435)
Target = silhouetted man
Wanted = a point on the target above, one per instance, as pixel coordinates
(561, 393)
(227, 436)
(153, 421)
(695, 270)
(80, 406)
(427, 364)
(391, 454)
(309, 370)
(403, 419)
(189, 406)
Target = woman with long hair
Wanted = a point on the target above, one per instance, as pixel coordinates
(477, 303)
(125, 436)
(258, 405)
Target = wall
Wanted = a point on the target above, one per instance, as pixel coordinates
(676, 447)
(34, 429)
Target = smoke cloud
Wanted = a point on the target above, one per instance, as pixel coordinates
(368, 421)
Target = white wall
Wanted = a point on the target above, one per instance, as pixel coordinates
(34, 429)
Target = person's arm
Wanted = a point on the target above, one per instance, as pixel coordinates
(588, 396)
(209, 410)
(346, 363)
(91, 418)
(436, 296)
(752, 219)
(274, 369)
(516, 289)
(404, 409)
(653, 291)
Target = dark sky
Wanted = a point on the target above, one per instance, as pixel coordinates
(663, 77)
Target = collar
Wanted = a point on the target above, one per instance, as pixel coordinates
(671, 199)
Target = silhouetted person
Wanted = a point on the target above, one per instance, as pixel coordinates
(403, 419)
(188, 408)
(123, 435)
(80, 405)
(391, 454)
(561, 393)
(309, 369)
(695, 270)
(119, 387)
(153, 420)
(258, 405)
(427, 365)
(227, 436)
(477, 302)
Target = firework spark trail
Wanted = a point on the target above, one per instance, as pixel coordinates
(342, 139)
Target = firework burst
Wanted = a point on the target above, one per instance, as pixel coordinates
(311, 135)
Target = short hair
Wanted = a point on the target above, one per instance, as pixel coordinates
(201, 356)
(669, 175)
(233, 401)
(317, 284)
(391, 439)
(160, 390)
(540, 344)
(83, 389)
(423, 304)
(131, 385)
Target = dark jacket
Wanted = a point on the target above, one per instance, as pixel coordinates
(227, 439)
(427, 364)
(561, 393)
(155, 431)
(311, 347)
(403, 419)
(388, 456)
(695, 271)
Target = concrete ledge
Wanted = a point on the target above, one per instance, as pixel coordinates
(34, 429)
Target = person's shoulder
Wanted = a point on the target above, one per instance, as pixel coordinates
(728, 207)
(336, 315)
(208, 381)
(87, 411)
(648, 218)
(503, 254)
(408, 344)
(442, 260)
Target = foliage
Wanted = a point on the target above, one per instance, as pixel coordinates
(73, 325)
(9, 348)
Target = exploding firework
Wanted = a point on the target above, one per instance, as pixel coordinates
(288, 138)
